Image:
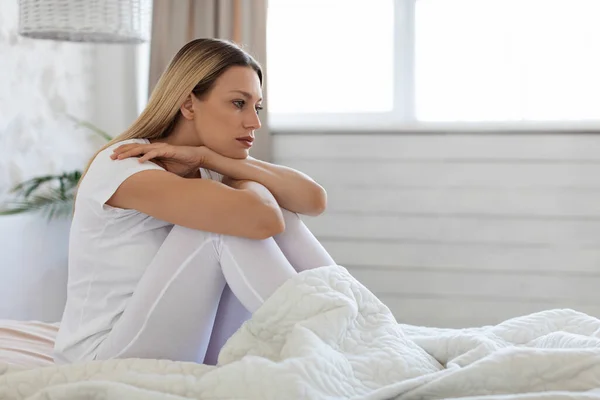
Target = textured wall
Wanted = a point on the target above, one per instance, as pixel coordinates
(40, 82)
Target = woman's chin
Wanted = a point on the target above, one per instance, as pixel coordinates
(237, 154)
(244, 155)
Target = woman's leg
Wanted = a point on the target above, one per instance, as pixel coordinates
(171, 313)
(301, 249)
(230, 317)
(300, 246)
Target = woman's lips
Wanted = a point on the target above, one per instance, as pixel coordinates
(245, 142)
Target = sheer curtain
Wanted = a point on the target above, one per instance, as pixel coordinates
(175, 23)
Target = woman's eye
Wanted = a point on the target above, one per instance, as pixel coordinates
(258, 109)
(239, 103)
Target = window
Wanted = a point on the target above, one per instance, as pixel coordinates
(321, 56)
(419, 63)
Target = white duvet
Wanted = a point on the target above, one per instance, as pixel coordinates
(325, 336)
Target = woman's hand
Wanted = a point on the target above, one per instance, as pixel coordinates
(292, 189)
(184, 161)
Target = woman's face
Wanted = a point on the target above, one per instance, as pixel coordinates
(225, 119)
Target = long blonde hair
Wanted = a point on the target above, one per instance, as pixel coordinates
(194, 69)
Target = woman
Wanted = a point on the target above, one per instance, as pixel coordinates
(174, 209)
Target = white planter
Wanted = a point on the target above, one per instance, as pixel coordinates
(33, 267)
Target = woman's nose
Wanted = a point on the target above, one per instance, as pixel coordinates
(252, 120)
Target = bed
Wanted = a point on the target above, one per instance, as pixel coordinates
(27, 344)
(323, 335)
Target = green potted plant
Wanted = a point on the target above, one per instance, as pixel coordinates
(50, 195)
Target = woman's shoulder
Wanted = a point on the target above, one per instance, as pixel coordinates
(103, 167)
(105, 175)
(103, 156)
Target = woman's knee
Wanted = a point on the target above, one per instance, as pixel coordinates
(290, 218)
(185, 243)
(190, 235)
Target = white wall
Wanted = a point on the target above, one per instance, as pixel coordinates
(41, 82)
(33, 269)
(460, 230)
(116, 94)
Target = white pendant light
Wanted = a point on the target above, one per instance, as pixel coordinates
(98, 21)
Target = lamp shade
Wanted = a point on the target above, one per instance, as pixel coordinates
(99, 21)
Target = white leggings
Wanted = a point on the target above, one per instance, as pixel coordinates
(172, 313)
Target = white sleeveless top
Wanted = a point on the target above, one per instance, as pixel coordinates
(109, 250)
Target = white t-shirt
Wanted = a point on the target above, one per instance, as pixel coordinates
(109, 250)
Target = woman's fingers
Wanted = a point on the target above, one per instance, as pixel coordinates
(150, 155)
(132, 150)
(125, 147)
(180, 160)
(132, 153)
(122, 150)
(146, 151)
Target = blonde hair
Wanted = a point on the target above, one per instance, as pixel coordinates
(194, 69)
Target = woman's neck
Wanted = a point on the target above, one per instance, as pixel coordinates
(183, 134)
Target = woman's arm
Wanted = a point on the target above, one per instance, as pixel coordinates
(245, 209)
(292, 189)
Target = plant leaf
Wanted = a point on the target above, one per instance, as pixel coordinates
(66, 181)
(24, 189)
(52, 204)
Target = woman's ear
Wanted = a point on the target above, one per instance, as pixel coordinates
(187, 108)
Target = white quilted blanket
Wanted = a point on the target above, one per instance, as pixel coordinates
(324, 336)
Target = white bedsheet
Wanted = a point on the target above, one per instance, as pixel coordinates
(324, 336)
